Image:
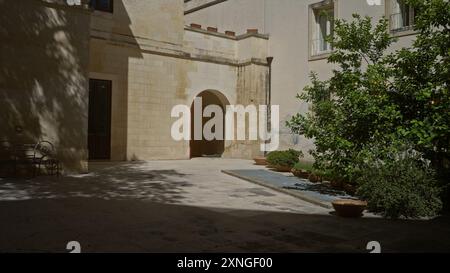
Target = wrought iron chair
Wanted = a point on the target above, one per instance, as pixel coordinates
(45, 156)
(38, 155)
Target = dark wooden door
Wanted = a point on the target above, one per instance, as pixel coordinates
(99, 132)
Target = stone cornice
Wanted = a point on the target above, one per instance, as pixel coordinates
(170, 50)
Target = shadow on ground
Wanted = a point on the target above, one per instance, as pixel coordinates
(120, 181)
(100, 225)
(127, 208)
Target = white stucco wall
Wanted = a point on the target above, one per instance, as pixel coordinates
(236, 15)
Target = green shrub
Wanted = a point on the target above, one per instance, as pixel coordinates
(305, 166)
(284, 158)
(326, 174)
(403, 187)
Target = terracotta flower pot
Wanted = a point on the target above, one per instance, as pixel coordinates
(314, 178)
(300, 173)
(349, 208)
(260, 161)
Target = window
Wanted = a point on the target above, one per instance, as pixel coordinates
(401, 16)
(102, 5)
(322, 27)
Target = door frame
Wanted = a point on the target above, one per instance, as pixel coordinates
(103, 77)
(114, 90)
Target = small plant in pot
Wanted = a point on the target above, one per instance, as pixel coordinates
(260, 160)
(284, 161)
(319, 176)
(349, 208)
(302, 169)
(314, 178)
(337, 182)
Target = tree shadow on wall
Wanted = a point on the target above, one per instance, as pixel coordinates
(44, 76)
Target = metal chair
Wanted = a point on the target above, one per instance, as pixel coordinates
(38, 155)
(45, 156)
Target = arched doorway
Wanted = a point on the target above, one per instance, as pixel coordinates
(208, 148)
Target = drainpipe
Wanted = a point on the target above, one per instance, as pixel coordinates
(269, 96)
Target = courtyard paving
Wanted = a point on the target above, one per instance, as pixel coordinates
(188, 206)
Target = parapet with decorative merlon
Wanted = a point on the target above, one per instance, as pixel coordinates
(228, 34)
(218, 45)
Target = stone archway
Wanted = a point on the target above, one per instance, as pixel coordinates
(208, 148)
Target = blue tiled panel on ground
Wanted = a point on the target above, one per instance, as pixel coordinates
(315, 190)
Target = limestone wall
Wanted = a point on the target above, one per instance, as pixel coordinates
(43, 76)
(51, 50)
(155, 68)
(129, 47)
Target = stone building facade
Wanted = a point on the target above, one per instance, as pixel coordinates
(295, 29)
(100, 80)
(80, 62)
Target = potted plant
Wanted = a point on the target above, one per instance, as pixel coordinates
(283, 161)
(260, 160)
(314, 178)
(302, 169)
(349, 208)
(317, 176)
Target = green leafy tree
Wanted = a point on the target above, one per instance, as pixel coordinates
(421, 84)
(353, 108)
(377, 103)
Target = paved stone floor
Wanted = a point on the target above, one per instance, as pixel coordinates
(316, 193)
(187, 206)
